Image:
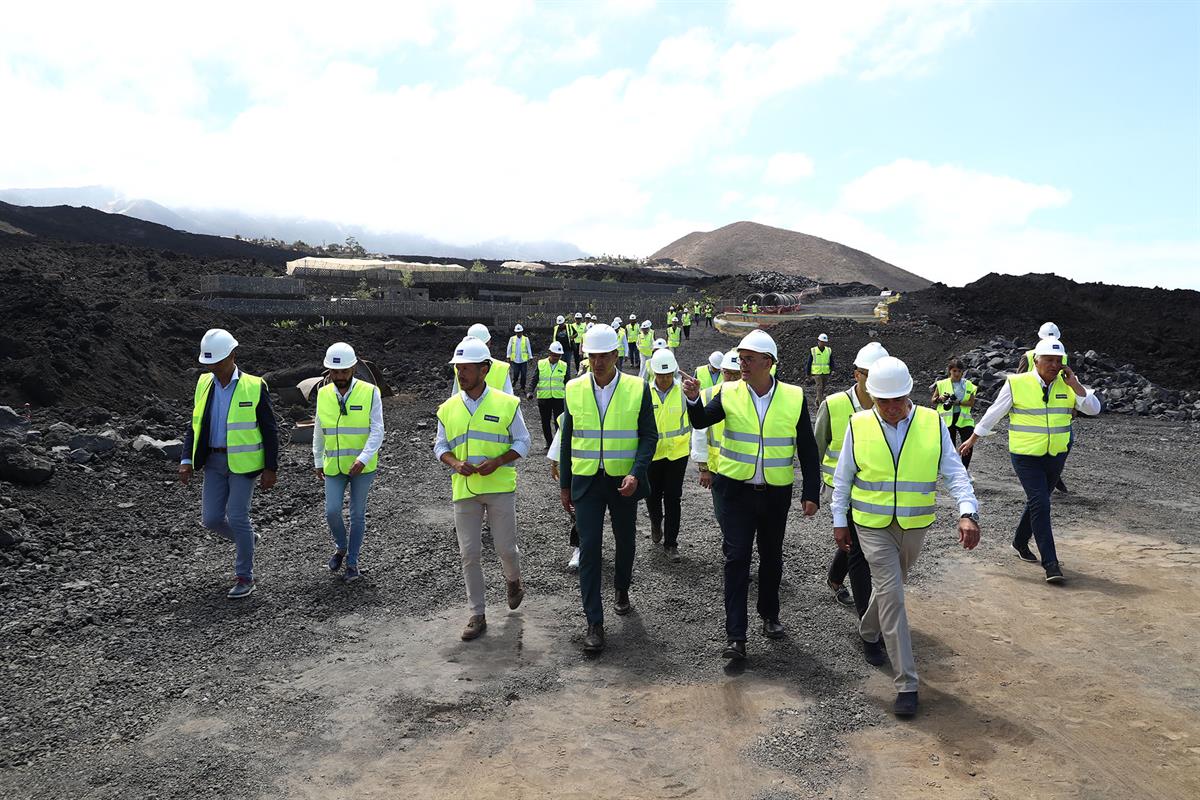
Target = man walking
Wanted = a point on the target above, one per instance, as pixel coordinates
(670, 454)
(1040, 406)
(519, 355)
(480, 434)
(686, 319)
(608, 437)
(820, 364)
(622, 342)
(234, 439)
(631, 337)
(345, 447)
(767, 428)
(550, 385)
(709, 374)
(499, 376)
(886, 481)
(562, 335)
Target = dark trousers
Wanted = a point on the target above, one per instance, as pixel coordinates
(746, 515)
(519, 374)
(589, 519)
(708, 322)
(1037, 475)
(687, 331)
(959, 435)
(854, 563)
(666, 488)
(549, 410)
(634, 361)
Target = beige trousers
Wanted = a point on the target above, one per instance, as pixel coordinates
(468, 523)
(890, 552)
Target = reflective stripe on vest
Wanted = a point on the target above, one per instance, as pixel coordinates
(674, 335)
(345, 433)
(674, 430)
(714, 433)
(946, 386)
(903, 489)
(645, 342)
(474, 438)
(820, 360)
(1038, 427)
(840, 408)
(518, 347)
(552, 379)
(243, 438)
(613, 438)
(745, 439)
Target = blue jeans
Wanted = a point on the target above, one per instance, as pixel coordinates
(225, 500)
(1037, 475)
(335, 496)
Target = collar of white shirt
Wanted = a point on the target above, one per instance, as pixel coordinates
(912, 408)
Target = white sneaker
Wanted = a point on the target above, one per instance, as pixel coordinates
(573, 564)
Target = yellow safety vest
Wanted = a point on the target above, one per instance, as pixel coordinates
(820, 360)
(705, 377)
(713, 433)
(840, 408)
(687, 318)
(612, 439)
(345, 432)
(645, 342)
(631, 333)
(580, 330)
(674, 335)
(552, 379)
(622, 342)
(674, 430)
(496, 378)
(243, 438)
(1029, 359)
(903, 489)
(1038, 427)
(745, 438)
(519, 346)
(474, 438)
(946, 386)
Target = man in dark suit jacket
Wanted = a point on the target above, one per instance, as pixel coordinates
(619, 490)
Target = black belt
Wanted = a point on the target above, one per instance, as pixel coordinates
(218, 449)
(758, 487)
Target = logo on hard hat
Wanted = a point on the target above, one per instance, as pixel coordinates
(337, 359)
(208, 355)
(458, 352)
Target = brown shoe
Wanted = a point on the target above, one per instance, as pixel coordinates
(475, 626)
(516, 593)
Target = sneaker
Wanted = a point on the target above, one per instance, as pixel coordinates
(352, 573)
(1054, 573)
(841, 594)
(573, 564)
(335, 561)
(242, 588)
(1024, 552)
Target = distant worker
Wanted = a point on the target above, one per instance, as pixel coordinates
(706, 442)
(1048, 331)
(833, 417)
(954, 397)
(671, 316)
(498, 376)
(754, 308)
(519, 355)
(886, 481)
(234, 439)
(670, 459)
(645, 343)
(622, 342)
(708, 315)
(1039, 406)
(480, 434)
(767, 428)
(645, 373)
(631, 336)
(563, 334)
(550, 387)
(820, 364)
(745, 306)
(609, 431)
(685, 320)
(346, 440)
(674, 335)
(578, 329)
(709, 375)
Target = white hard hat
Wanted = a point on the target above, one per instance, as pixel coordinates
(617, 321)
(632, 317)
(471, 351)
(731, 361)
(824, 337)
(662, 362)
(715, 359)
(560, 320)
(216, 345)
(518, 328)
(578, 315)
(480, 332)
(659, 343)
(556, 347)
(760, 342)
(600, 339)
(1050, 347)
(645, 323)
(889, 378)
(340, 356)
(1049, 331)
(869, 354)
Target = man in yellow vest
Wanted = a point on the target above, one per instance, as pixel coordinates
(632, 336)
(564, 335)
(618, 325)
(550, 386)
(670, 454)
(519, 355)
(608, 438)
(886, 481)
(709, 375)
(346, 440)
(480, 434)
(833, 417)
(645, 342)
(706, 442)
(1048, 331)
(499, 376)
(685, 319)
(1039, 406)
(674, 335)
(578, 329)
(767, 428)
(820, 364)
(234, 439)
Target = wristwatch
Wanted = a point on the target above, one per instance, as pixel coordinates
(973, 516)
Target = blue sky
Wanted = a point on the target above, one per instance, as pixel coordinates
(952, 139)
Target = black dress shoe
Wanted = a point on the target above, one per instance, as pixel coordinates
(1054, 572)
(876, 655)
(594, 641)
(656, 533)
(1024, 552)
(1061, 487)
(906, 704)
(773, 629)
(673, 553)
(622, 602)
(734, 650)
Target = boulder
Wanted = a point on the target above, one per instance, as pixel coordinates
(10, 418)
(80, 456)
(94, 443)
(21, 466)
(169, 450)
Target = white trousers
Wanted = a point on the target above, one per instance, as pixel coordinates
(890, 552)
(468, 523)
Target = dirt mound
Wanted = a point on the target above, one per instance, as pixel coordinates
(748, 246)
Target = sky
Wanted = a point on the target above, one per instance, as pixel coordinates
(952, 139)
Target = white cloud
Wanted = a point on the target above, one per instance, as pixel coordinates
(785, 168)
(692, 55)
(731, 198)
(735, 165)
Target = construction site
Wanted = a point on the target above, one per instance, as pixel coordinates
(129, 674)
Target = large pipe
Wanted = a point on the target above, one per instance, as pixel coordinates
(782, 299)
